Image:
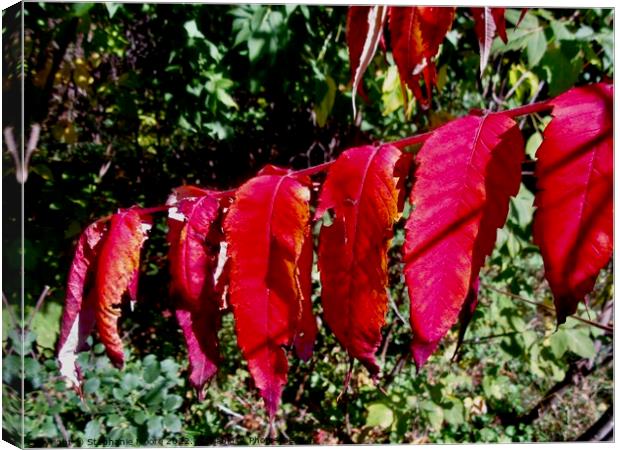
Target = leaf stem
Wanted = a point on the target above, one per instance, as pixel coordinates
(411, 140)
(527, 109)
(154, 209)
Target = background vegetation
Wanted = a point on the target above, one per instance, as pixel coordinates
(133, 100)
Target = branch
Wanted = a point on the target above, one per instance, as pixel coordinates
(602, 429)
(548, 308)
(577, 371)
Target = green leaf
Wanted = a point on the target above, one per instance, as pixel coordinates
(192, 30)
(151, 372)
(172, 402)
(169, 368)
(92, 430)
(33, 372)
(536, 47)
(323, 109)
(532, 145)
(130, 382)
(379, 415)
(155, 427)
(172, 423)
(434, 414)
(559, 343)
(46, 325)
(114, 420)
(139, 417)
(226, 99)
(455, 414)
(255, 47)
(112, 8)
(561, 71)
(11, 368)
(579, 342)
(91, 385)
(156, 394)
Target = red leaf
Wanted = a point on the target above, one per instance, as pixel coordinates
(78, 318)
(416, 35)
(487, 23)
(362, 192)
(467, 171)
(364, 32)
(200, 333)
(194, 236)
(118, 261)
(304, 341)
(499, 16)
(265, 230)
(194, 247)
(573, 224)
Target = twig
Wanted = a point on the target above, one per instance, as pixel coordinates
(228, 411)
(386, 342)
(42, 297)
(577, 370)
(57, 418)
(602, 429)
(395, 370)
(394, 307)
(477, 340)
(347, 379)
(548, 308)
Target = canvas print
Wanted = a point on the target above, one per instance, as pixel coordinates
(246, 224)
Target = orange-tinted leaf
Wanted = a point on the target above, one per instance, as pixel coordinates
(364, 32)
(265, 229)
(467, 171)
(118, 262)
(78, 318)
(416, 35)
(362, 192)
(573, 224)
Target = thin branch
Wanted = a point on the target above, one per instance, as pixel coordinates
(57, 418)
(228, 411)
(394, 307)
(477, 340)
(527, 109)
(548, 308)
(39, 304)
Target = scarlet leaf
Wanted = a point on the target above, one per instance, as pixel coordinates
(78, 318)
(265, 229)
(200, 328)
(194, 236)
(362, 192)
(573, 224)
(364, 32)
(194, 247)
(487, 23)
(304, 341)
(467, 171)
(117, 265)
(416, 35)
